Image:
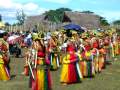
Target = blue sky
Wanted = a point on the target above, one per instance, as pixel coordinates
(110, 9)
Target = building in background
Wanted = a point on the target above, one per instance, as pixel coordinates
(88, 20)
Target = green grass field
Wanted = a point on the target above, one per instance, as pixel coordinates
(108, 79)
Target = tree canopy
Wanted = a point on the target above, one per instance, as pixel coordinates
(7, 24)
(20, 16)
(116, 22)
(103, 22)
(56, 15)
(89, 12)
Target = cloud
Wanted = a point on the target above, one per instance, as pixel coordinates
(9, 10)
(4, 5)
(31, 6)
(58, 1)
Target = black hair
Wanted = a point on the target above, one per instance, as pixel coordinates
(68, 33)
(43, 47)
(1, 35)
(5, 33)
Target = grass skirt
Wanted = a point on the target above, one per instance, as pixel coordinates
(87, 68)
(42, 80)
(54, 61)
(70, 73)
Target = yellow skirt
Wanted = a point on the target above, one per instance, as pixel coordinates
(101, 62)
(96, 64)
(43, 79)
(116, 49)
(83, 68)
(4, 75)
(64, 74)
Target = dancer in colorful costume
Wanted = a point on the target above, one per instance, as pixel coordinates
(102, 55)
(115, 44)
(53, 52)
(42, 79)
(70, 66)
(107, 49)
(26, 66)
(95, 52)
(87, 66)
(4, 58)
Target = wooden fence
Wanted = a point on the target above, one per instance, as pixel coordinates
(40, 27)
(44, 28)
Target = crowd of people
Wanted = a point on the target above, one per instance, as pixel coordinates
(79, 55)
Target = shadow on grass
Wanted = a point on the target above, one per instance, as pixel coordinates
(70, 83)
(13, 76)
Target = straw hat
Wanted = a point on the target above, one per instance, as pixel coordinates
(84, 35)
(74, 32)
(34, 35)
(41, 35)
(54, 33)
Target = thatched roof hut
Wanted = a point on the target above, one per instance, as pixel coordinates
(31, 21)
(87, 20)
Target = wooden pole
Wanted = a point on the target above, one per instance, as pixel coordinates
(11, 28)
